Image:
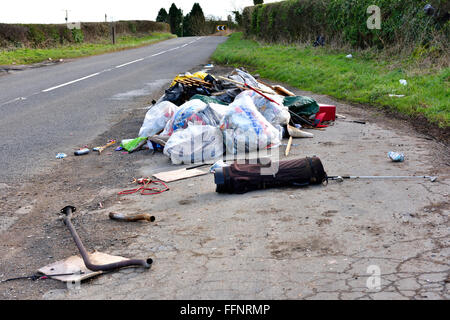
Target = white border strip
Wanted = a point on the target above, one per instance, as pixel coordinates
(70, 82)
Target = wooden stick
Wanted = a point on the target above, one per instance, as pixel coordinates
(288, 148)
(242, 84)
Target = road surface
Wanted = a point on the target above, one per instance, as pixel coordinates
(59, 108)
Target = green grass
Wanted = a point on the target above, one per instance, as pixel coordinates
(362, 79)
(27, 55)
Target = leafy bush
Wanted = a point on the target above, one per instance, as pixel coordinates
(51, 35)
(78, 36)
(345, 21)
(36, 35)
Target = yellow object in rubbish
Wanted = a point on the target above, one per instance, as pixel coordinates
(199, 75)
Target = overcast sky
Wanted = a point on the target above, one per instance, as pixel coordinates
(53, 11)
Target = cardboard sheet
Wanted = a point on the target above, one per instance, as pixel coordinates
(180, 174)
(76, 264)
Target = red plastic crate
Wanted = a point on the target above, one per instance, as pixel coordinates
(329, 110)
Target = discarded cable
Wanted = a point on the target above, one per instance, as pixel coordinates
(35, 277)
(67, 211)
(145, 183)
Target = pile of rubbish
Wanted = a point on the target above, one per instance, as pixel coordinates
(202, 117)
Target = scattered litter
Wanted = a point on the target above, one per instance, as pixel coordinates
(193, 112)
(297, 133)
(81, 152)
(209, 66)
(396, 157)
(282, 91)
(61, 155)
(201, 118)
(100, 149)
(42, 276)
(74, 270)
(195, 144)
(241, 178)
(245, 129)
(320, 41)
(358, 121)
(396, 95)
(429, 9)
(329, 110)
(342, 178)
(180, 174)
(88, 259)
(218, 164)
(208, 100)
(100, 205)
(288, 147)
(349, 56)
(274, 112)
(157, 118)
(132, 145)
(146, 182)
(134, 218)
(403, 82)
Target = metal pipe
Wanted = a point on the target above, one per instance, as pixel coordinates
(341, 178)
(134, 218)
(67, 211)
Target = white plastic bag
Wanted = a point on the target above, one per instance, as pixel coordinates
(245, 129)
(192, 112)
(220, 109)
(276, 114)
(157, 118)
(241, 76)
(196, 143)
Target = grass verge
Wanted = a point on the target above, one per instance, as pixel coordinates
(362, 79)
(27, 55)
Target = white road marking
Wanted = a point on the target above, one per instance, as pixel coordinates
(13, 100)
(125, 64)
(70, 82)
(157, 54)
(107, 70)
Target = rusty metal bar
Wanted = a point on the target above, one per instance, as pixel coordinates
(132, 218)
(67, 211)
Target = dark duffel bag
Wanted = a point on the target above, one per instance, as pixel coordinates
(241, 178)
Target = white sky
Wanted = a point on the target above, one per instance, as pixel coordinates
(53, 11)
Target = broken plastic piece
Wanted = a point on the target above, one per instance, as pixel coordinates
(396, 157)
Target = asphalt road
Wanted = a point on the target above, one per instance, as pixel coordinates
(60, 108)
